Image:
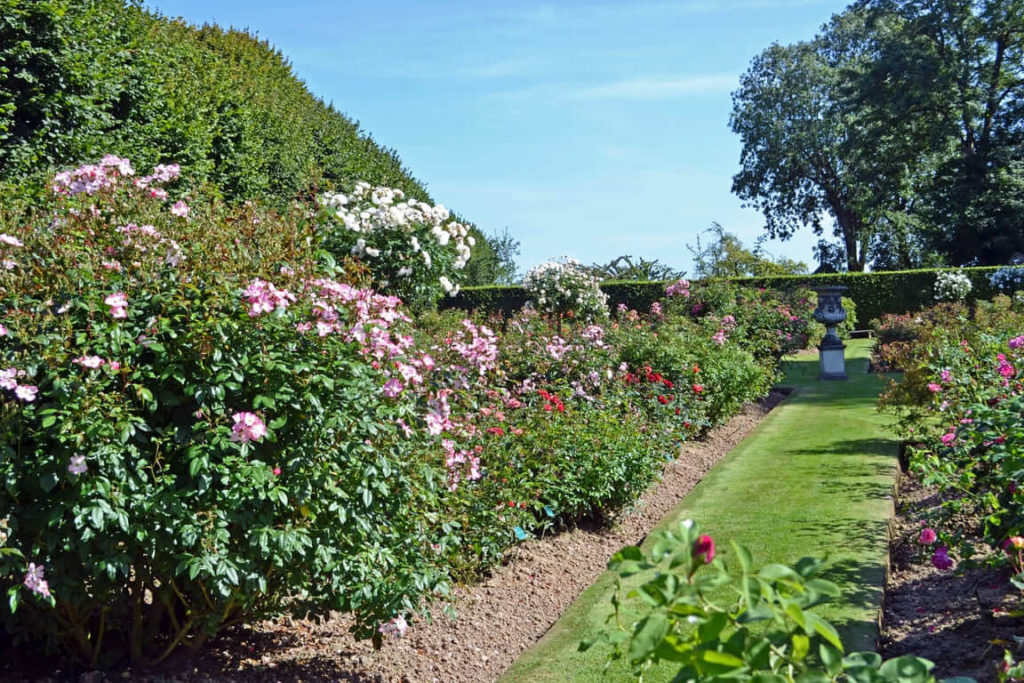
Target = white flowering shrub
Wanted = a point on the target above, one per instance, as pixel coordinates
(412, 249)
(564, 287)
(952, 285)
(1008, 279)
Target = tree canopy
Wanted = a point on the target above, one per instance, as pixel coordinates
(901, 124)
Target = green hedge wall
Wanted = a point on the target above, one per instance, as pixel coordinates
(895, 291)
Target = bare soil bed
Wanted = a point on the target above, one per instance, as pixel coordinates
(498, 618)
(959, 620)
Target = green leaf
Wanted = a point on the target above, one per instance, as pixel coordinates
(907, 669)
(831, 658)
(812, 677)
(48, 481)
(776, 572)
(746, 561)
(765, 677)
(647, 635)
(801, 646)
(824, 629)
(721, 658)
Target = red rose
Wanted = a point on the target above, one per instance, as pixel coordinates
(704, 547)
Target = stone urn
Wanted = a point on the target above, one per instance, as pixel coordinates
(830, 312)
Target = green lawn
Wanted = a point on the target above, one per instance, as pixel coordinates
(814, 478)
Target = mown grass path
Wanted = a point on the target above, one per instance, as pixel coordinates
(814, 478)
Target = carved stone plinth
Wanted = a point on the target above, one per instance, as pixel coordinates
(830, 313)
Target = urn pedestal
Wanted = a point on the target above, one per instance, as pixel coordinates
(832, 351)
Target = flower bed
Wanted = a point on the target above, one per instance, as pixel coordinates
(209, 419)
(960, 403)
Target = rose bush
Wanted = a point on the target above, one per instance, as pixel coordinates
(411, 249)
(194, 430)
(564, 288)
(206, 419)
(688, 623)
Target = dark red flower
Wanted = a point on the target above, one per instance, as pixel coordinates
(704, 547)
(662, 400)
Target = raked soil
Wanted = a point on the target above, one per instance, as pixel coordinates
(960, 620)
(497, 620)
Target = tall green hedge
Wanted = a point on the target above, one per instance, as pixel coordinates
(874, 293)
(84, 78)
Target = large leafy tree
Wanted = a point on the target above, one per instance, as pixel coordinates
(947, 79)
(802, 161)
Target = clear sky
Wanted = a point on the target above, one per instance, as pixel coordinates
(588, 129)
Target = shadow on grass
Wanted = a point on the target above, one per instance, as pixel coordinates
(884, 448)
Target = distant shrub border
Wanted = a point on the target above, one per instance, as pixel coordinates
(875, 294)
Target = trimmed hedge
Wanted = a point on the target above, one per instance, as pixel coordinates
(893, 291)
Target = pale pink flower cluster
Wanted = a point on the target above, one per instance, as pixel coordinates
(9, 381)
(557, 347)
(680, 287)
(719, 337)
(10, 241)
(729, 322)
(438, 418)
(118, 303)
(180, 209)
(248, 427)
(946, 376)
(35, 582)
(138, 235)
(595, 335)
(481, 351)
(656, 312)
(91, 178)
(90, 362)
(1017, 342)
(263, 297)
(77, 466)
(393, 388)
(455, 459)
(163, 173)
(3, 331)
(1005, 369)
(395, 628)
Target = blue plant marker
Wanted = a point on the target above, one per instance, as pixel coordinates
(548, 511)
(520, 534)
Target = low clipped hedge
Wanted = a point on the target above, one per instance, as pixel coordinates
(895, 291)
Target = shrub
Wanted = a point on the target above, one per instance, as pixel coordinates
(1008, 279)
(564, 288)
(952, 286)
(765, 633)
(195, 429)
(411, 249)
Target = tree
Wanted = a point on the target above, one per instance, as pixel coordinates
(623, 268)
(808, 153)
(494, 259)
(724, 255)
(947, 80)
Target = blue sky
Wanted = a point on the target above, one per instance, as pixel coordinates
(588, 129)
